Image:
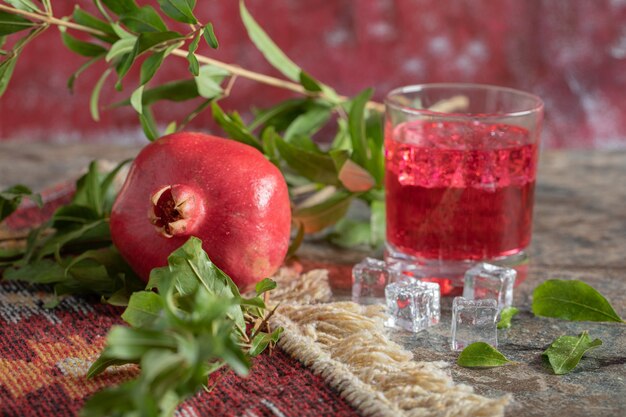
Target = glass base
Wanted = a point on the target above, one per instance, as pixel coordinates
(449, 274)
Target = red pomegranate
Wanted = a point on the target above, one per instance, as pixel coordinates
(224, 192)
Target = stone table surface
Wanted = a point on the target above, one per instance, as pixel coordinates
(579, 233)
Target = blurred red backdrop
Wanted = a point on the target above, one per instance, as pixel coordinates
(571, 53)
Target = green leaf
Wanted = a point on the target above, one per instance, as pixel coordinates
(82, 48)
(121, 6)
(148, 124)
(209, 79)
(179, 10)
(149, 40)
(107, 193)
(172, 91)
(130, 344)
(234, 127)
(44, 271)
(11, 198)
(11, 23)
(566, 351)
(267, 47)
(120, 31)
(190, 267)
(377, 223)
(6, 71)
(324, 214)
(314, 166)
(94, 233)
(308, 123)
(121, 47)
(481, 355)
(26, 5)
(84, 18)
(142, 20)
(572, 300)
(150, 67)
(194, 66)
(209, 36)
(505, 317)
(88, 192)
(264, 285)
(80, 70)
(72, 216)
(309, 83)
(144, 308)
(356, 126)
(99, 366)
(349, 233)
(135, 100)
(262, 340)
(273, 117)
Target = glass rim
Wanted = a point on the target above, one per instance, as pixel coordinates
(537, 106)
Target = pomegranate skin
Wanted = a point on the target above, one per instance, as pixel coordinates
(235, 201)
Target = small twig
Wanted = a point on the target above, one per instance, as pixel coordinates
(264, 322)
(230, 85)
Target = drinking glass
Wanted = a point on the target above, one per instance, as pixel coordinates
(460, 167)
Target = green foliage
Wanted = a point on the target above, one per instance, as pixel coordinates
(11, 23)
(11, 198)
(73, 250)
(192, 326)
(565, 352)
(572, 300)
(481, 355)
(505, 317)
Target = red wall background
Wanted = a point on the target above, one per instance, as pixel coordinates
(571, 53)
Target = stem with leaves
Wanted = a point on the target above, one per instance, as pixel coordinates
(123, 33)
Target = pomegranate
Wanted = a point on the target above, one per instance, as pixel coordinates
(224, 192)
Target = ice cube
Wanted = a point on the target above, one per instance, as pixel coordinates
(489, 281)
(369, 279)
(412, 305)
(474, 321)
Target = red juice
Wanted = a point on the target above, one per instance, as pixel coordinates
(459, 190)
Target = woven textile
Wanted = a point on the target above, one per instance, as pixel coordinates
(45, 353)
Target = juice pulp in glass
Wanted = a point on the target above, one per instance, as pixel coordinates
(459, 190)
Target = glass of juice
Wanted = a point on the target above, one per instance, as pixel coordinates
(460, 167)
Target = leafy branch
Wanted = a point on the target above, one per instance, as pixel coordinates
(194, 325)
(324, 181)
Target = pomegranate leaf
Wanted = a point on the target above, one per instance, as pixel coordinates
(313, 165)
(179, 10)
(272, 53)
(324, 214)
(566, 351)
(11, 23)
(143, 20)
(308, 123)
(209, 36)
(234, 127)
(356, 125)
(11, 198)
(84, 18)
